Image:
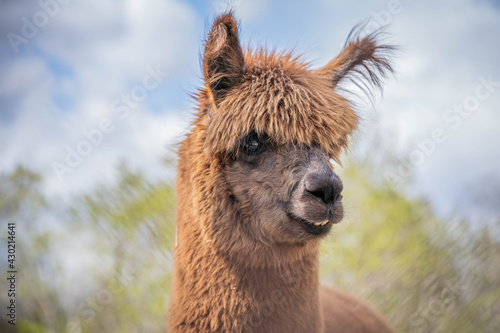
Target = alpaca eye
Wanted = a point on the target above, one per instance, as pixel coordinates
(253, 144)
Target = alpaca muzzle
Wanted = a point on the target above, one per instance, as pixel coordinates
(324, 185)
(317, 203)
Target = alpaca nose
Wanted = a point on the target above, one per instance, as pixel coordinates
(325, 186)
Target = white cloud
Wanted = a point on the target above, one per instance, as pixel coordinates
(445, 51)
(140, 140)
(122, 37)
(250, 10)
(107, 47)
(22, 75)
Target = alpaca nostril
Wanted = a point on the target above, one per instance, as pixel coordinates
(322, 194)
(326, 188)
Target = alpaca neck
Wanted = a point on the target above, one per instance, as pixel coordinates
(214, 293)
(222, 281)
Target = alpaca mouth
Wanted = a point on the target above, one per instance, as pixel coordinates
(315, 228)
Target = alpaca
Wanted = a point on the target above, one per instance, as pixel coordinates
(257, 192)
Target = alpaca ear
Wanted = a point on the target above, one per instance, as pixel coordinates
(362, 61)
(223, 60)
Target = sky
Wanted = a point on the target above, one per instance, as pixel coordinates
(88, 84)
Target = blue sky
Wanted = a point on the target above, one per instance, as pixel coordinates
(86, 55)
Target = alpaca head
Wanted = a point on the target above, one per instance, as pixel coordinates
(270, 127)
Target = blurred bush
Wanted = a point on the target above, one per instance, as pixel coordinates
(424, 274)
(122, 235)
(102, 262)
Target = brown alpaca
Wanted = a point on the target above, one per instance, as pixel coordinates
(256, 191)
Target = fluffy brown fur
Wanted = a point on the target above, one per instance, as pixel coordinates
(254, 181)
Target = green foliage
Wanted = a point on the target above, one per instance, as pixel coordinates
(422, 273)
(126, 285)
(19, 194)
(27, 326)
(136, 232)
